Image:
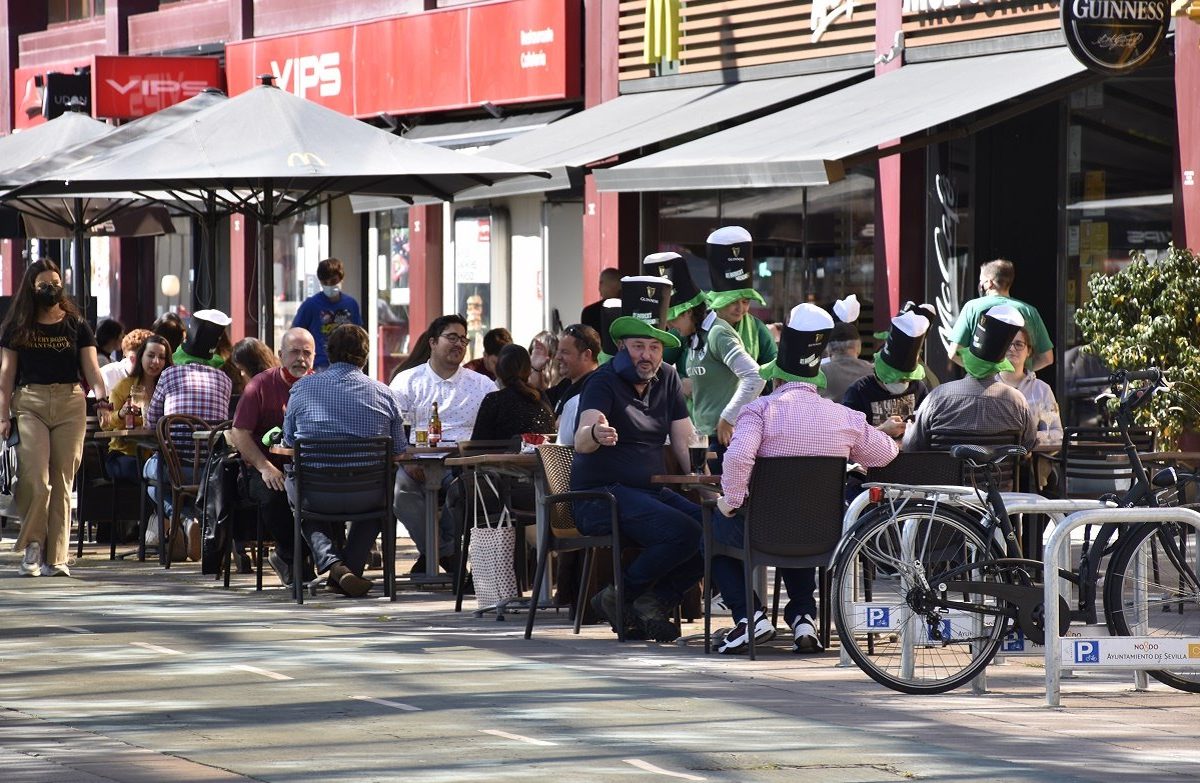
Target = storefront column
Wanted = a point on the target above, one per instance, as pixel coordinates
(1186, 229)
(243, 256)
(602, 212)
(888, 188)
(424, 268)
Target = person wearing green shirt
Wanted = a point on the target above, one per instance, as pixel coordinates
(730, 265)
(995, 282)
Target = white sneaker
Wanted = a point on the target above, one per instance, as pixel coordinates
(804, 634)
(31, 565)
(58, 570)
(738, 640)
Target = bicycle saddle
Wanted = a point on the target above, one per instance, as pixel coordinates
(986, 455)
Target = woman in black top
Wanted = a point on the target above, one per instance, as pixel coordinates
(45, 345)
(518, 407)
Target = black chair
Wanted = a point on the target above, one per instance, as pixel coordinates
(344, 480)
(942, 440)
(1093, 460)
(561, 534)
(100, 497)
(793, 519)
(232, 505)
(919, 467)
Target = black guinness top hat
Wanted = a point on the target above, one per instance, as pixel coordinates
(731, 267)
(801, 345)
(901, 351)
(989, 344)
(927, 310)
(672, 266)
(610, 311)
(202, 338)
(645, 302)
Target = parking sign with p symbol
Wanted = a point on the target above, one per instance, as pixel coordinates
(878, 616)
(1087, 651)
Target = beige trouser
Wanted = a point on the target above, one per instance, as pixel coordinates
(51, 423)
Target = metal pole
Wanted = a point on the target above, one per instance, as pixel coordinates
(266, 271)
(81, 266)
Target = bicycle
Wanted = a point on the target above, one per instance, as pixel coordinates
(926, 590)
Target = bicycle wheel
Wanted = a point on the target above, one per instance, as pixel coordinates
(891, 616)
(1151, 589)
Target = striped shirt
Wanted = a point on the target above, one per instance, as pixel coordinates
(793, 421)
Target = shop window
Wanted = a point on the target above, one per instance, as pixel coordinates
(390, 249)
(301, 242)
(1121, 142)
(173, 270)
(73, 10)
(810, 244)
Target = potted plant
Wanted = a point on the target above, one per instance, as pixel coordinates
(1148, 315)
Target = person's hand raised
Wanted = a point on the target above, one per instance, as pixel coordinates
(603, 434)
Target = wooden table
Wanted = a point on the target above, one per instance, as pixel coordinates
(523, 467)
(432, 463)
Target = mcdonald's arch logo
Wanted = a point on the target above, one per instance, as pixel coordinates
(304, 159)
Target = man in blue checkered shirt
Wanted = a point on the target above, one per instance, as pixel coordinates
(342, 402)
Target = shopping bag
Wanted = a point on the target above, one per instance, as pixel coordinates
(493, 541)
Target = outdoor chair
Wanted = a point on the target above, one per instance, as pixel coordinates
(561, 535)
(920, 468)
(344, 480)
(183, 459)
(1093, 462)
(232, 506)
(100, 497)
(793, 519)
(1009, 469)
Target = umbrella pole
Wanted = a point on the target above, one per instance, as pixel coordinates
(81, 266)
(266, 268)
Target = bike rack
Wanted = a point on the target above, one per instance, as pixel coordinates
(1057, 509)
(1086, 652)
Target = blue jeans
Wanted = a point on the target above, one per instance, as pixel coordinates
(730, 575)
(322, 536)
(664, 525)
(122, 467)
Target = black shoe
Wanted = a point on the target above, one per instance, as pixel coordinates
(655, 618)
(283, 571)
(419, 566)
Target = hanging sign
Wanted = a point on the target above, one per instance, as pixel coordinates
(1114, 36)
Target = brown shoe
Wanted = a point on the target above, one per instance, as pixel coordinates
(191, 527)
(350, 583)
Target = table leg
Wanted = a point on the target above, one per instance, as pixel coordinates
(433, 483)
(164, 551)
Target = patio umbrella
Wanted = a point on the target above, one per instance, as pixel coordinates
(272, 154)
(77, 138)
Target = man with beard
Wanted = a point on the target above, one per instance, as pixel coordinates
(627, 410)
(261, 409)
(458, 393)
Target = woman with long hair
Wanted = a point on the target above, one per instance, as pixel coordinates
(544, 375)
(45, 345)
(249, 357)
(518, 407)
(130, 397)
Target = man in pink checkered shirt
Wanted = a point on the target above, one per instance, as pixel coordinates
(793, 421)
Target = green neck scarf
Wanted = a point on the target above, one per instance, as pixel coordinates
(889, 374)
(183, 357)
(979, 368)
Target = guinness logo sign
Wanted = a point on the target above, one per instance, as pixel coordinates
(1114, 36)
(737, 251)
(662, 271)
(650, 293)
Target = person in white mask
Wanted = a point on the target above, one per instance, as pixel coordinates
(327, 309)
(893, 392)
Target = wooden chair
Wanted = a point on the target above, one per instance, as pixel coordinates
(183, 459)
(793, 519)
(561, 534)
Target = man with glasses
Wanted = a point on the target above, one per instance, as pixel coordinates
(578, 353)
(458, 393)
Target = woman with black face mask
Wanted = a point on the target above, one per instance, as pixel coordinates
(45, 347)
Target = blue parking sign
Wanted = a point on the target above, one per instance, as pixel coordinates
(878, 617)
(1087, 651)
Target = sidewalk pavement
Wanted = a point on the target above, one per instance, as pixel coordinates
(131, 673)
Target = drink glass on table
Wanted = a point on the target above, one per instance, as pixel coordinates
(421, 424)
(137, 402)
(697, 452)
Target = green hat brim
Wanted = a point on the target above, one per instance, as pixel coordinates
(889, 374)
(981, 368)
(628, 326)
(680, 309)
(772, 370)
(719, 299)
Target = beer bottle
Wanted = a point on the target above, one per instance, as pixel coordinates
(435, 427)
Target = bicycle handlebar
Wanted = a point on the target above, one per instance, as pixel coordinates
(1122, 376)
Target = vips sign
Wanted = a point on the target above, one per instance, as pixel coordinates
(127, 87)
(509, 52)
(1114, 36)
